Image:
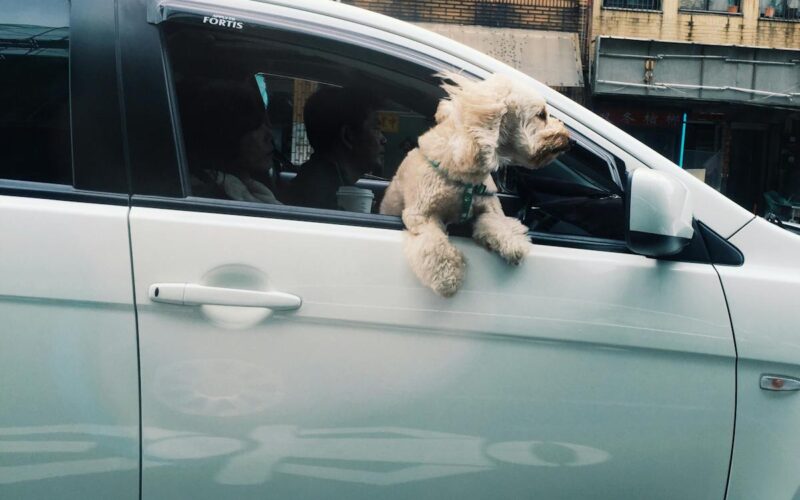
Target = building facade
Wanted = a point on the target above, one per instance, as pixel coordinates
(554, 15)
(714, 85)
(505, 29)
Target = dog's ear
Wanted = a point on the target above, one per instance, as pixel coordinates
(477, 109)
(482, 109)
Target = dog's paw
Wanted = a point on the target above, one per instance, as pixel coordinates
(505, 236)
(449, 275)
(512, 246)
(436, 262)
(515, 250)
(446, 288)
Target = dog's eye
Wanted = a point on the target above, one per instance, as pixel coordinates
(542, 115)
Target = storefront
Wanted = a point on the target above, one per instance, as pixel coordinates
(729, 115)
(551, 57)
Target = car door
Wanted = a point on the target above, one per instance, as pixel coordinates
(69, 409)
(586, 372)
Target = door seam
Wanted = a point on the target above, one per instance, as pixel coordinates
(138, 349)
(735, 384)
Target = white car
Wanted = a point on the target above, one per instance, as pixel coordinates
(156, 343)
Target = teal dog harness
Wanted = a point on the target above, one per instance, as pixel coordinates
(469, 191)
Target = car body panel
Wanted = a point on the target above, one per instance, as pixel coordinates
(762, 296)
(554, 379)
(69, 425)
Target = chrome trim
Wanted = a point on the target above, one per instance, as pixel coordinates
(160, 11)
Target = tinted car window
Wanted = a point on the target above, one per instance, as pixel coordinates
(262, 92)
(34, 91)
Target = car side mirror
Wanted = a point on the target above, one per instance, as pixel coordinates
(659, 214)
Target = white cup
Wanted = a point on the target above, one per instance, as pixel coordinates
(355, 199)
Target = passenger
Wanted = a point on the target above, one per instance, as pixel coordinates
(343, 129)
(228, 141)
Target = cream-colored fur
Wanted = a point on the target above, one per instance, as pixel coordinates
(479, 127)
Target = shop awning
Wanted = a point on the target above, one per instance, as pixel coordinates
(552, 57)
(681, 70)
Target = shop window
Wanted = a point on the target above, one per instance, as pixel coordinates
(784, 200)
(633, 4)
(731, 6)
(788, 10)
(702, 152)
(34, 91)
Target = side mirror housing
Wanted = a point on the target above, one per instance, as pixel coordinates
(659, 214)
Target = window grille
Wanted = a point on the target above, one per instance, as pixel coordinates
(633, 4)
(731, 6)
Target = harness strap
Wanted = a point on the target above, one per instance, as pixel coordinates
(470, 190)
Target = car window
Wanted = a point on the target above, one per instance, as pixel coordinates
(578, 194)
(34, 91)
(230, 83)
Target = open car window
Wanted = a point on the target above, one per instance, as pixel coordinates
(579, 194)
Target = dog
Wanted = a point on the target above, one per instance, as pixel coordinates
(480, 126)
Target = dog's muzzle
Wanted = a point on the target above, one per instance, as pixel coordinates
(554, 145)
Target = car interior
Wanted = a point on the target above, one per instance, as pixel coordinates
(579, 194)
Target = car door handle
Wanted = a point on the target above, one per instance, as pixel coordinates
(188, 294)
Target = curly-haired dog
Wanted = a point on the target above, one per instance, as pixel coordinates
(480, 126)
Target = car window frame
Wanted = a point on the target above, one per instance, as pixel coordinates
(430, 59)
(232, 207)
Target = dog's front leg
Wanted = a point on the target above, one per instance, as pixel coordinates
(505, 235)
(435, 261)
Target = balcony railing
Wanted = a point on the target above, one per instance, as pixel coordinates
(730, 6)
(633, 4)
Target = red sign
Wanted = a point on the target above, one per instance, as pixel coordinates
(643, 118)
